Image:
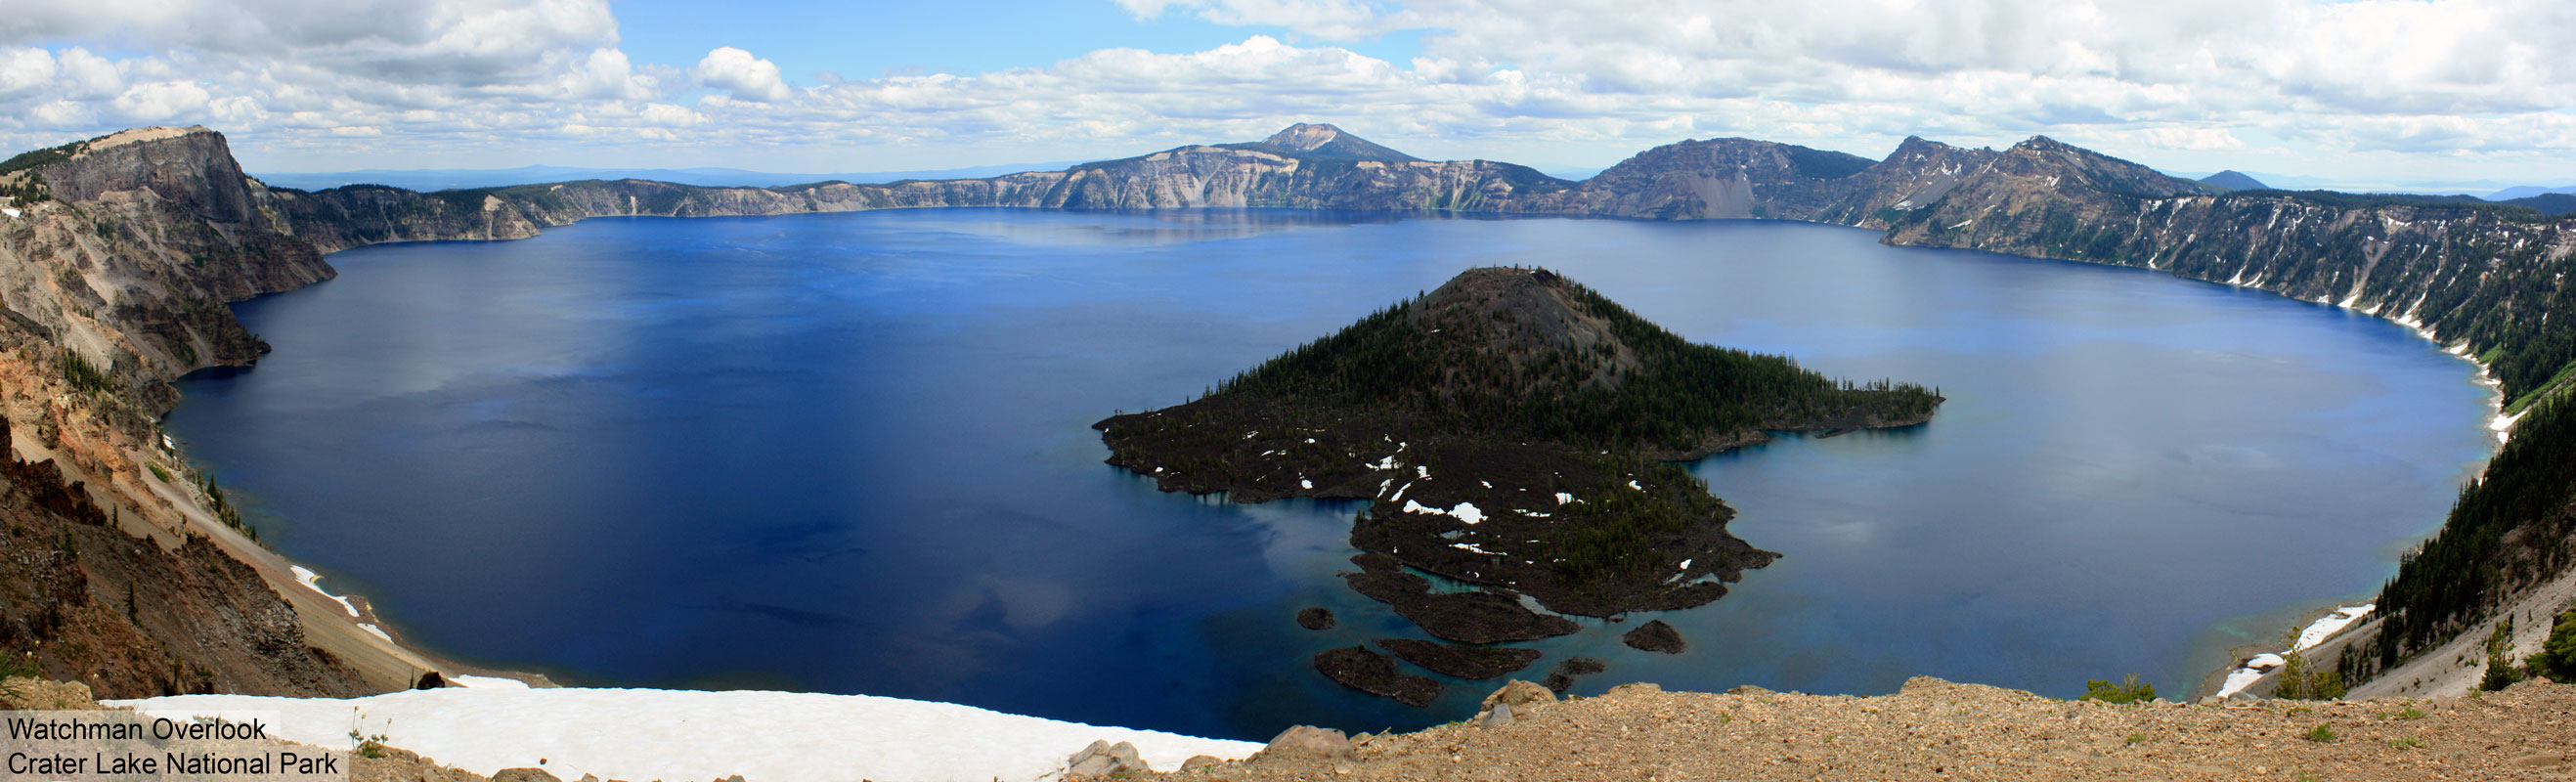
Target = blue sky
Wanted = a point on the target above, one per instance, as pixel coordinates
(870, 40)
(2367, 93)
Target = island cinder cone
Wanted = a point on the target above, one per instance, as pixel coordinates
(1511, 429)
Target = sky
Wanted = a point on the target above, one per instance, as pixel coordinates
(2369, 94)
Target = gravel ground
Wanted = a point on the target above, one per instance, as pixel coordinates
(1934, 730)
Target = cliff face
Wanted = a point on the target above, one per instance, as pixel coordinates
(111, 285)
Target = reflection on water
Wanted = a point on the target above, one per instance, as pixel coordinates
(853, 453)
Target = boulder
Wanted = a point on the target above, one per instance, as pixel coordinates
(1102, 760)
(524, 774)
(1518, 693)
(1308, 741)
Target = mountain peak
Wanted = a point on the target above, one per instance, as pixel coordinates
(1321, 140)
(2233, 179)
(1304, 136)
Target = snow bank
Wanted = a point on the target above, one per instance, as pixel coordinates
(486, 682)
(683, 734)
(308, 577)
(2321, 629)
(2315, 633)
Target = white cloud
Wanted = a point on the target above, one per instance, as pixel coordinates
(1330, 19)
(161, 102)
(745, 77)
(1536, 80)
(23, 71)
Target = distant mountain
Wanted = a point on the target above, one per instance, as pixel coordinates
(2234, 180)
(433, 180)
(2552, 204)
(1325, 142)
(2527, 191)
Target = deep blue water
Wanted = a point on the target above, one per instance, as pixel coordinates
(851, 453)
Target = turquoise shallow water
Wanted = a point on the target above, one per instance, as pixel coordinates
(851, 453)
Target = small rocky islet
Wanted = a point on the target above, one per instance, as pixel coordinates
(1513, 431)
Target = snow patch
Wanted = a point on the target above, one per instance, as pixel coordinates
(1305, 484)
(307, 577)
(681, 734)
(2315, 633)
(1466, 511)
(486, 682)
(1563, 498)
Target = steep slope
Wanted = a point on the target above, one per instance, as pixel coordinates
(114, 271)
(1510, 429)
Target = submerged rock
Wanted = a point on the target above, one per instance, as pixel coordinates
(1656, 636)
(1465, 662)
(1561, 678)
(1465, 617)
(1360, 669)
(1315, 618)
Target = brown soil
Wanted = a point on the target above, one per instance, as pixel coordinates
(82, 599)
(1935, 730)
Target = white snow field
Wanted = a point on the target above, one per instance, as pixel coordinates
(681, 735)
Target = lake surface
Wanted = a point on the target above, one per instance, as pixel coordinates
(852, 453)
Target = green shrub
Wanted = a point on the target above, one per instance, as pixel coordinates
(2501, 672)
(19, 666)
(2322, 733)
(2129, 690)
(2299, 682)
(2557, 657)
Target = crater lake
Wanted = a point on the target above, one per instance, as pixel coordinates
(852, 453)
